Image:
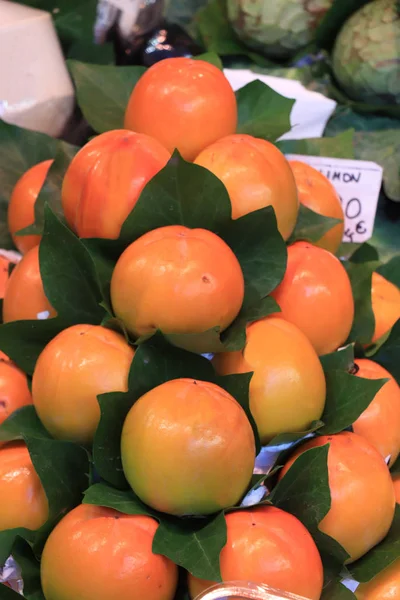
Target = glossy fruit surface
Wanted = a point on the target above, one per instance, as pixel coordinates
(98, 553)
(104, 181)
(267, 545)
(4, 274)
(184, 103)
(256, 174)
(316, 295)
(318, 194)
(24, 297)
(189, 423)
(23, 499)
(80, 363)
(21, 209)
(380, 422)
(14, 390)
(385, 297)
(287, 389)
(178, 280)
(361, 492)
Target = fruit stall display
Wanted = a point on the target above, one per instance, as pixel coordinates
(199, 380)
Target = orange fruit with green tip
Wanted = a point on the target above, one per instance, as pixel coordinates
(362, 494)
(267, 545)
(380, 422)
(183, 103)
(385, 298)
(21, 209)
(14, 390)
(179, 280)
(24, 297)
(316, 295)
(256, 174)
(318, 194)
(105, 179)
(97, 553)
(187, 448)
(384, 586)
(80, 363)
(23, 499)
(287, 389)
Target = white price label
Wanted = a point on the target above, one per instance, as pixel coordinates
(358, 183)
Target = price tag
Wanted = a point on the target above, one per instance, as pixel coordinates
(358, 183)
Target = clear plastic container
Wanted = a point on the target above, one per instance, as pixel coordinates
(245, 591)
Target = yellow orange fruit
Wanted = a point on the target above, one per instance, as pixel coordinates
(188, 448)
(380, 422)
(385, 297)
(318, 194)
(316, 295)
(23, 499)
(4, 274)
(178, 280)
(361, 492)
(184, 103)
(98, 553)
(287, 389)
(21, 209)
(105, 179)
(80, 363)
(267, 545)
(256, 174)
(24, 296)
(14, 390)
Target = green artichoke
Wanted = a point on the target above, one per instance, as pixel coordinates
(277, 28)
(366, 55)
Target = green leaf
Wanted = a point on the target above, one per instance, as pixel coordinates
(304, 492)
(391, 270)
(360, 275)
(381, 556)
(181, 193)
(154, 363)
(50, 193)
(20, 149)
(7, 541)
(216, 33)
(337, 591)
(103, 92)
(342, 359)
(237, 385)
(23, 341)
(311, 226)
(9, 594)
(68, 274)
(262, 112)
(192, 543)
(88, 52)
(340, 146)
(364, 253)
(30, 569)
(235, 336)
(388, 354)
(62, 467)
(347, 397)
(211, 58)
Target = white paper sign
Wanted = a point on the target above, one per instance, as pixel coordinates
(358, 183)
(311, 110)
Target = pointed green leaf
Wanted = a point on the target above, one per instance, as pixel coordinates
(23, 341)
(388, 354)
(391, 270)
(154, 363)
(50, 193)
(262, 112)
(364, 253)
(342, 359)
(192, 543)
(103, 92)
(381, 556)
(360, 274)
(311, 226)
(9, 594)
(337, 591)
(30, 569)
(68, 274)
(20, 149)
(211, 58)
(7, 541)
(347, 397)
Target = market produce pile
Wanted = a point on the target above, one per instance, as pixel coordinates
(199, 380)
